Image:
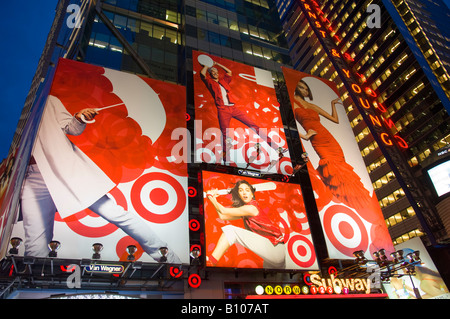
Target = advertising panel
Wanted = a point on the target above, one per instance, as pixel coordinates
(349, 210)
(425, 283)
(236, 106)
(254, 223)
(14, 167)
(102, 169)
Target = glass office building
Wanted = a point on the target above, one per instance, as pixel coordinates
(388, 59)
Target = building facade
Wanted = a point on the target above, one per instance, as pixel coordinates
(415, 101)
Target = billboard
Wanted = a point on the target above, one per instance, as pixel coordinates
(425, 283)
(255, 223)
(438, 174)
(349, 210)
(237, 116)
(102, 169)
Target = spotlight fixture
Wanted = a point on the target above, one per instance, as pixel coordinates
(377, 257)
(131, 250)
(195, 253)
(97, 248)
(410, 257)
(54, 245)
(163, 252)
(15, 243)
(360, 258)
(397, 256)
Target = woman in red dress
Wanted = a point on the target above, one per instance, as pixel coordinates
(336, 174)
(261, 235)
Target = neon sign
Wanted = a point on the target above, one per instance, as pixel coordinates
(340, 285)
(371, 111)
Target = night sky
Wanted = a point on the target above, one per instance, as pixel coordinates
(24, 28)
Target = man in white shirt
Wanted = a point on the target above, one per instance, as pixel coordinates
(62, 178)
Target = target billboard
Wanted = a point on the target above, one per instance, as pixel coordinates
(349, 210)
(254, 223)
(102, 168)
(237, 116)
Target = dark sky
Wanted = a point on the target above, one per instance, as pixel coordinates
(24, 28)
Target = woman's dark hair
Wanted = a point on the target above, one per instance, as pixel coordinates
(297, 91)
(237, 201)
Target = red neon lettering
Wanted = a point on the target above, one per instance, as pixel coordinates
(380, 107)
(389, 123)
(365, 103)
(348, 57)
(347, 73)
(312, 15)
(401, 142)
(383, 137)
(375, 120)
(371, 92)
(362, 77)
(356, 88)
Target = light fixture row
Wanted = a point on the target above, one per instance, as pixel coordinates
(54, 246)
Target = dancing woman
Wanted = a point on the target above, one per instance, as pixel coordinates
(336, 174)
(261, 235)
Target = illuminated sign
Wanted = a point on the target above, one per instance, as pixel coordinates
(100, 268)
(263, 221)
(339, 285)
(350, 213)
(384, 127)
(113, 177)
(318, 286)
(237, 117)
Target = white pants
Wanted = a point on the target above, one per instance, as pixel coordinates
(38, 211)
(273, 256)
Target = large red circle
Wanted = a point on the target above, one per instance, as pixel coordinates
(159, 196)
(301, 251)
(344, 229)
(194, 281)
(150, 216)
(75, 222)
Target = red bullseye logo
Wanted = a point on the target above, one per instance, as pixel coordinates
(175, 272)
(301, 251)
(88, 224)
(158, 198)
(194, 281)
(345, 229)
(192, 192)
(194, 225)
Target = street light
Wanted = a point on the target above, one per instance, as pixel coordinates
(131, 250)
(15, 243)
(54, 245)
(163, 252)
(97, 248)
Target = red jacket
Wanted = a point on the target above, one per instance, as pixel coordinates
(214, 89)
(263, 225)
